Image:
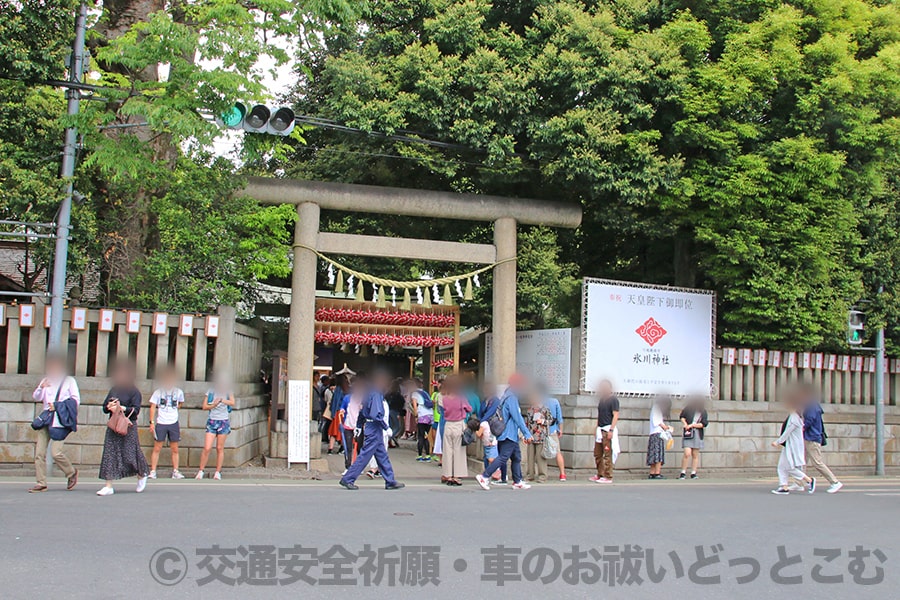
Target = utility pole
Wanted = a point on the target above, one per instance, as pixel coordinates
(67, 173)
(879, 399)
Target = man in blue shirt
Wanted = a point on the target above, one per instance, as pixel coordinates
(508, 441)
(374, 423)
(814, 437)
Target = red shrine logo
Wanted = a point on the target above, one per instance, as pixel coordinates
(651, 331)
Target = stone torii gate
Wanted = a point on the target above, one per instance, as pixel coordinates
(312, 196)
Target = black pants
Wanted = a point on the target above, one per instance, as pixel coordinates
(422, 430)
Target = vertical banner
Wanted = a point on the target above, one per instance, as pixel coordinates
(647, 338)
(133, 324)
(759, 358)
(819, 361)
(845, 363)
(2, 314)
(729, 356)
(774, 358)
(107, 320)
(186, 325)
(26, 315)
(790, 359)
(79, 319)
(744, 357)
(47, 316)
(805, 360)
(298, 421)
(212, 326)
(160, 324)
(832, 362)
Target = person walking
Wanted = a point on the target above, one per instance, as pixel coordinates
(694, 420)
(814, 438)
(374, 423)
(424, 418)
(396, 405)
(793, 453)
(605, 438)
(456, 409)
(660, 433)
(58, 394)
(218, 401)
(537, 418)
(508, 441)
(489, 406)
(165, 402)
(122, 454)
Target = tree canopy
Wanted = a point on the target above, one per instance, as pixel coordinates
(746, 146)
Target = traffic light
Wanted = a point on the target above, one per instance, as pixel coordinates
(258, 119)
(856, 327)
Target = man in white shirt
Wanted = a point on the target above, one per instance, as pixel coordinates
(164, 404)
(55, 387)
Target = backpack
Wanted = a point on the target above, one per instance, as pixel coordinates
(497, 423)
(429, 403)
(468, 437)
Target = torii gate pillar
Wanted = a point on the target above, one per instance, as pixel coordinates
(504, 301)
(302, 331)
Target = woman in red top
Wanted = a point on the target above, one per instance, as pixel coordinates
(456, 409)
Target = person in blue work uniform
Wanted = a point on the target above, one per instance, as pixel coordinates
(374, 423)
(508, 440)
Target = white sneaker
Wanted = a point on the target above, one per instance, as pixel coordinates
(483, 481)
(521, 486)
(152, 475)
(217, 476)
(199, 475)
(177, 475)
(141, 485)
(106, 491)
(834, 487)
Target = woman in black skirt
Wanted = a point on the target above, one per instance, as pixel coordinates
(122, 454)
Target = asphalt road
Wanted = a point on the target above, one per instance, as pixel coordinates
(77, 545)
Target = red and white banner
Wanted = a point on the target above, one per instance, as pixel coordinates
(133, 324)
(160, 324)
(26, 315)
(647, 338)
(186, 325)
(107, 320)
(79, 319)
(212, 326)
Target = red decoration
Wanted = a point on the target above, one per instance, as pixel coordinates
(384, 317)
(382, 339)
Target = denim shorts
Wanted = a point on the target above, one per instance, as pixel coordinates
(490, 452)
(218, 426)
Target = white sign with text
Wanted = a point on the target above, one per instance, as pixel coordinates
(543, 355)
(647, 339)
(298, 421)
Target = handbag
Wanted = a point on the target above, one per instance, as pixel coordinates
(45, 419)
(119, 423)
(468, 437)
(551, 447)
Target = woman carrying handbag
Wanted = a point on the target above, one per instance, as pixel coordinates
(122, 454)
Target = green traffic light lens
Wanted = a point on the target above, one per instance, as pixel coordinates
(234, 115)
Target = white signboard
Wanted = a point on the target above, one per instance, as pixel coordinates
(543, 355)
(647, 339)
(298, 421)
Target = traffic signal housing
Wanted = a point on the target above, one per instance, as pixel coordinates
(856, 327)
(259, 118)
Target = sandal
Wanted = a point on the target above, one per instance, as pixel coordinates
(37, 489)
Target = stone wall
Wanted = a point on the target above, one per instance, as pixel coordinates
(738, 438)
(249, 434)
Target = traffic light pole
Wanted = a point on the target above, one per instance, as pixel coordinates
(67, 173)
(879, 400)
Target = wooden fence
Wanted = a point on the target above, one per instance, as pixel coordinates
(195, 344)
(762, 375)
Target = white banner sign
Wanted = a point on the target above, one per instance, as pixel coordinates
(298, 421)
(647, 339)
(543, 355)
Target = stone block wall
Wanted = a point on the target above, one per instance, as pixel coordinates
(738, 440)
(249, 436)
